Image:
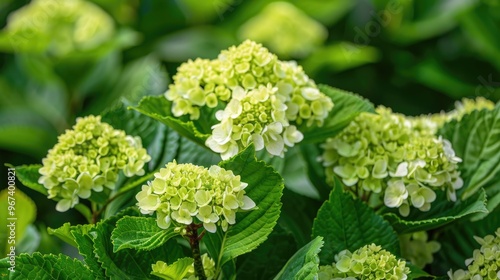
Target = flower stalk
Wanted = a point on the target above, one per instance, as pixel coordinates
(194, 241)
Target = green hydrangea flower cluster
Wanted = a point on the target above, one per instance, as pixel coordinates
(416, 248)
(285, 29)
(367, 262)
(383, 157)
(208, 266)
(485, 262)
(431, 123)
(187, 193)
(88, 158)
(59, 27)
(260, 94)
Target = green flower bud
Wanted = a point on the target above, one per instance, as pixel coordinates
(184, 193)
(72, 169)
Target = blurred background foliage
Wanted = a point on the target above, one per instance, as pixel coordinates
(62, 59)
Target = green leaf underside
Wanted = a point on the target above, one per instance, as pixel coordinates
(476, 139)
(140, 233)
(348, 223)
(28, 175)
(158, 107)
(346, 107)
(303, 264)
(175, 271)
(441, 213)
(38, 266)
(265, 187)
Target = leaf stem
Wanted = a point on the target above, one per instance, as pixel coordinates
(194, 242)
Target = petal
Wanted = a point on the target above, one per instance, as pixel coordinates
(248, 203)
(210, 227)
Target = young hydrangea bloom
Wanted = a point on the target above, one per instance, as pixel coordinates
(383, 156)
(367, 262)
(208, 266)
(187, 193)
(416, 248)
(285, 29)
(88, 158)
(59, 27)
(260, 99)
(485, 262)
(431, 123)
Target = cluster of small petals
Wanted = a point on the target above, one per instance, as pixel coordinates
(256, 98)
(431, 123)
(285, 29)
(416, 248)
(485, 262)
(385, 155)
(185, 193)
(60, 27)
(367, 262)
(89, 158)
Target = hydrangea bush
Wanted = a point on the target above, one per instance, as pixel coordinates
(390, 196)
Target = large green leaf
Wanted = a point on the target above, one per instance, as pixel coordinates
(141, 233)
(348, 223)
(441, 213)
(265, 187)
(476, 139)
(38, 266)
(158, 107)
(304, 264)
(85, 246)
(28, 175)
(347, 106)
(126, 263)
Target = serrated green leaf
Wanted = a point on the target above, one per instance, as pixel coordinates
(347, 106)
(158, 107)
(348, 223)
(28, 175)
(126, 263)
(141, 233)
(38, 266)
(22, 214)
(64, 233)
(303, 264)
(175, 271)
(265, 187)
(476, 139)
(441, 213)
(84, 240)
